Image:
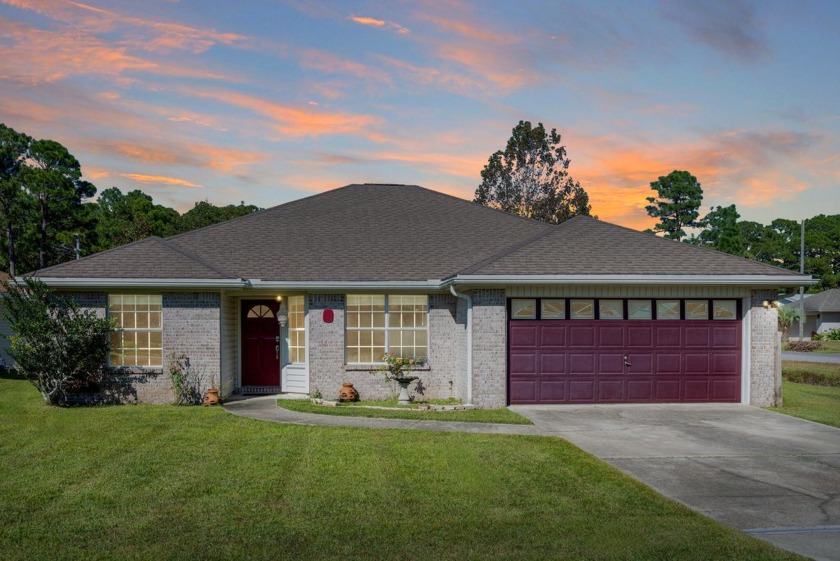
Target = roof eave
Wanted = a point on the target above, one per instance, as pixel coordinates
(431, 284)
(704, 280)
(88, 282)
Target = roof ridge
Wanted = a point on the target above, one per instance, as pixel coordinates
(551, 229)
(261, 211)
(96, 254)
(497, 210)
(197, 259)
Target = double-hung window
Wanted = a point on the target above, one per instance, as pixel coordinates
(138, 338)
(377, 324)
(297, 330)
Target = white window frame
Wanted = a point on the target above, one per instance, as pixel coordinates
(136, 329)
(386, 328)
(300, 329)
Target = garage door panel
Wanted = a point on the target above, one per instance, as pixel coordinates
(523, 391)
(610, 390)
(696, 390)
(726, 336)
(611, 336)
(639, 336)
(668, 336)
(553, 391)
(697, 336)
(583, 361)
(640, 390)
(725, 389)
(552, 363)
(667, 390)
(726, 363)
(696, 363)
(668, 363)
(552, 335)
(523, 335)
(640, 363)
(581, 390)
(523, 363)
(582, 336)
(610, 364)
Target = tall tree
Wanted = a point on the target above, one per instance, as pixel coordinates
(531, 178)
(14, 147)
(205, 214)
(720, 230)
(53, 177)
(124, 218)
(677, 204)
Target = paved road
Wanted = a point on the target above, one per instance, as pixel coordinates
(774, 476)
(833, 358)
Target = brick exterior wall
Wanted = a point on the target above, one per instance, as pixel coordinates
(489, 365)
(327, 370)
(764, 324)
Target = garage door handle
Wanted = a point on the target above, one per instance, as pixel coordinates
(626, 362)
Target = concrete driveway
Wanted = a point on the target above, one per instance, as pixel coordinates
(774, 476)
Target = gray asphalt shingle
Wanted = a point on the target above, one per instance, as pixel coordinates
(399, 233)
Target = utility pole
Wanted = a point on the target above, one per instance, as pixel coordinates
(802, 288)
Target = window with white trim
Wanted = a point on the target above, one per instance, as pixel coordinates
(377, 324)
(138, 338)
(297, 330)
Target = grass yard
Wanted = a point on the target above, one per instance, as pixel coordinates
(162, 482)
(814, 373)
(815, 403)
(502, 415)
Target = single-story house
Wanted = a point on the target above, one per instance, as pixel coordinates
(822, 312)
(306, 295)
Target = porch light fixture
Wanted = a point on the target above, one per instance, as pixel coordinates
(282, 314)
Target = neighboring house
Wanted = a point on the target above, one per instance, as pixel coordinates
(822, 312)
(307, 295)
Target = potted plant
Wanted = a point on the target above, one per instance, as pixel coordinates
(212, 396)
(396, 368)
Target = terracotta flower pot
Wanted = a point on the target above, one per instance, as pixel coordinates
(212, 397)
(348, 392)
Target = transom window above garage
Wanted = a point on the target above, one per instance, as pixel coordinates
(661, 309)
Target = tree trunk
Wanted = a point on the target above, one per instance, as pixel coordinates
(42, 253)
(10, 237)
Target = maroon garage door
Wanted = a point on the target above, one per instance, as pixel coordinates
(625, 360)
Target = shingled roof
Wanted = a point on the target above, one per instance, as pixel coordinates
(825, 301)
(394, 233)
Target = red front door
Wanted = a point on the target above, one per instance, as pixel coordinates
(260, 355)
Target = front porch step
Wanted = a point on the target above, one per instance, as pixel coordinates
(260, 390)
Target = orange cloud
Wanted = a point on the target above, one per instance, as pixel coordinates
(324, 61)
(373, 22)
(152, 179)
(295, 121)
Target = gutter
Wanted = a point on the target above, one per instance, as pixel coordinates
(87, 283)
(348, 285)
(469, 301)
(705, 280)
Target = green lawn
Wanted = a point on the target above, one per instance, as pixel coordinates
(814, 373)
(162, 482)
(815, 403)
(502, 415)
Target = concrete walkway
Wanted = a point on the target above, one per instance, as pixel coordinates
(829, 358)
(774, 476)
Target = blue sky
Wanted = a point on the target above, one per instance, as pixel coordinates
(270, 101)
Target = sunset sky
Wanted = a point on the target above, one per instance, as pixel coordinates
(270, 101)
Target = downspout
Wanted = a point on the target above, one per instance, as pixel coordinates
(469, 301)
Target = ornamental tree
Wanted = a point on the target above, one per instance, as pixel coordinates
(56, 345)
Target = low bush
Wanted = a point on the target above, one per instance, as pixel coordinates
(831, 335)
(813, 373)
(804, 346)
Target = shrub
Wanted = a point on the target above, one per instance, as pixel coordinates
(804, 346)
(186, 380)
(813, 373)
(57, 346)
(831, 335)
